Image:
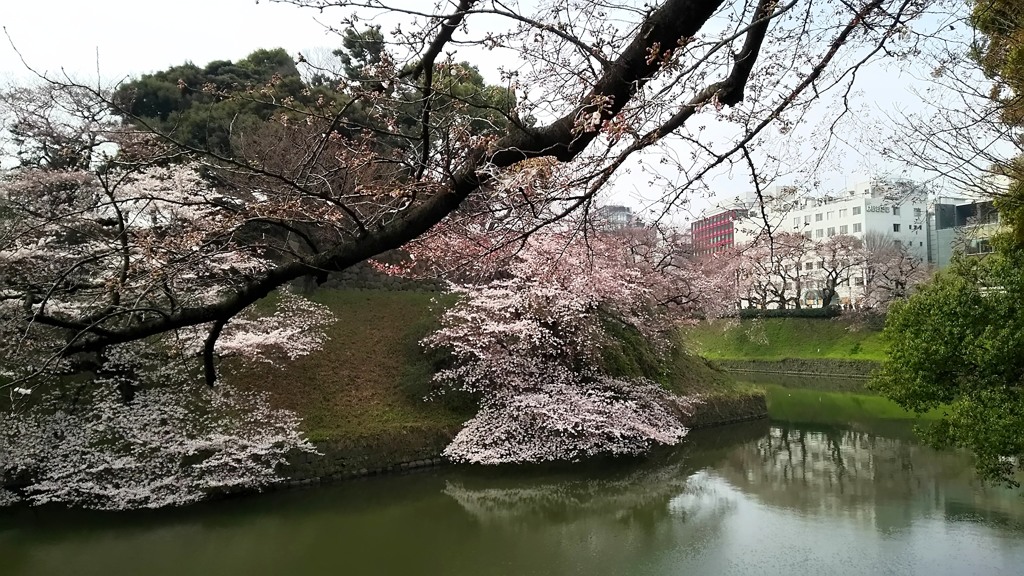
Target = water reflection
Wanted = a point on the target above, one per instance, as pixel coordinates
(789, 499)
(639, 488)
(856, 474)
(753, 499)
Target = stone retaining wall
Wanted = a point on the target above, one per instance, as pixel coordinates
(335, 463)
(362, 276)
(728, 410)
(804, 367)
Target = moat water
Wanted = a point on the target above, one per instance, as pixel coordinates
(796, 494)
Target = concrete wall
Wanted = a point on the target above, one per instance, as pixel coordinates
(362, 276)
(414, 452)
(808, 367)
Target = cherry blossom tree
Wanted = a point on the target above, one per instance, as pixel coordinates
(757, 274)
(891, 271)
(527, 340)
(165, 448)
(139, 432)
(837, 257)
(771, 269)
(329, 183)
(792, 250)
(116, 229)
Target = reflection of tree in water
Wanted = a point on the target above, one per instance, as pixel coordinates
(639, 511)
(564, 525)
(857, 474)
(638, 497)
(638, 491)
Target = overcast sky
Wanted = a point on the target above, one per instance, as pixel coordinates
(133, 37)
(126, 38)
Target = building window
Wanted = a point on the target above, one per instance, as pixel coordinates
(819, 233)
(856, 228)
(858, 281)
(843, 213)
(895, 210)
(807, 234)
(856, 210)
(817, 217)
(897, 244)
(807, 219)
(895, 227)
(978, 246)
(917, 212)
(831, 231)
(809, 266)
(796, 222)
(844, 229)
(829, 215)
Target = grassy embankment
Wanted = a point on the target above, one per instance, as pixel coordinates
(785, 338)
(806, 399)
(363, 393)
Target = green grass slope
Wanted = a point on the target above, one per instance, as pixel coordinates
(781, 338)
(370, 379)
(363, 393)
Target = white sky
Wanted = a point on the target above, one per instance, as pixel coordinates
(125, 38)
(133, 37)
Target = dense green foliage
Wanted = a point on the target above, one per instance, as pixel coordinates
(999, 50)
(960, 342)
(209, 107)
(781, 338)
(203, 106)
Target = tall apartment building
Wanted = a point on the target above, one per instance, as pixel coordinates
(898, 210)
(718, 229)
(960, 225)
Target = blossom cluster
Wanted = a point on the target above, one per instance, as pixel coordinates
(169, 446)
(527, 341)
(293, 330)
(569, 418)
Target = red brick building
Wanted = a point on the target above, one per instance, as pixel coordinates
(714, 233)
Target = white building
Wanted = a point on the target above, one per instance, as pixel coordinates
(895, 209)
(892, 209)
(960, 225)
(616, 217)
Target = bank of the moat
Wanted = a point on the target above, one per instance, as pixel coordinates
(830, 484)
(362, 397)
(843, 347)
(344, 460)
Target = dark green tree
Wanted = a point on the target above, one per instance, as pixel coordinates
(999, 50)
(958, 343)
(201, 107)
